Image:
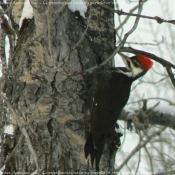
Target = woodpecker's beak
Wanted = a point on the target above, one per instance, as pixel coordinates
(125, 60)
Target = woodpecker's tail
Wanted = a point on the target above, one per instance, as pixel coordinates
(89, 149)
(94, 153)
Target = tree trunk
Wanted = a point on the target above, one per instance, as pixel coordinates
(44, 89)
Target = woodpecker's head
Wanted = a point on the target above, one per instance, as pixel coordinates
(137, 65)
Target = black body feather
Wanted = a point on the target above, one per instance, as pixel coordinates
(107, 93)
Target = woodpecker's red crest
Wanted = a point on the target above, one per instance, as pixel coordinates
(145, 61)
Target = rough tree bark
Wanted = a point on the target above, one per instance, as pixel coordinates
(46, 107)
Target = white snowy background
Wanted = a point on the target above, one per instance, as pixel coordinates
(147, 32)
(164, 89)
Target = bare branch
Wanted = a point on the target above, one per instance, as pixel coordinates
(154, 98)
(166, 172)
(148, 117)
(164, 63)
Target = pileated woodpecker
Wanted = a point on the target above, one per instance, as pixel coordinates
(107, 93)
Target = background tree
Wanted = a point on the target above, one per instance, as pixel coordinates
(41, 82)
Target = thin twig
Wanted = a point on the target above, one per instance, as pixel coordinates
(14, 150)
(81, 39)
(139, 160)
(126, 19)
(139, 146)
(121, 12)
(154, 82)
(62, 7)
(150, 159)
(49, 38)
(170, 73)
(150, 44)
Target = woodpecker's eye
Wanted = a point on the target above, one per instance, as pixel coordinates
(135, 63)
(128, 63)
